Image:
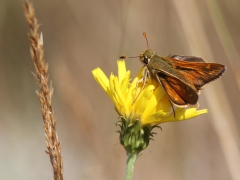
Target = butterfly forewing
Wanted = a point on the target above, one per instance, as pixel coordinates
(198, 74)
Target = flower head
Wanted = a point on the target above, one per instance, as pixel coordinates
(140, 108)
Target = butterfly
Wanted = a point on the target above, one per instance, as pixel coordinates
(182, 77)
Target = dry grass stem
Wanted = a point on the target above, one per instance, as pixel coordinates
(46, 91)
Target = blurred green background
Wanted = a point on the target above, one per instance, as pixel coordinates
(82, 35)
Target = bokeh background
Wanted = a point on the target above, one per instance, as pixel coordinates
(82, 35)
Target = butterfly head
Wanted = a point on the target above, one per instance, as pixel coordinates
(146, 56)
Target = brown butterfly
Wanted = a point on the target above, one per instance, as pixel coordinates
(182, 77)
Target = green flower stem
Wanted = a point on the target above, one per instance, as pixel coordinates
(131, 159)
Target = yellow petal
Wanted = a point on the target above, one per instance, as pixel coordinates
(143, 99)
(101, 78)
(120, 96)
(113, 93)
(125, 82)
(151, 104)
(180, 114)
(121, 70)
(131, 92)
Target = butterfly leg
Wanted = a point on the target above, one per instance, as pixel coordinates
(143, 80)
(172, 108)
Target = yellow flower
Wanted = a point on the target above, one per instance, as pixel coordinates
(141, 108)
(150, 106)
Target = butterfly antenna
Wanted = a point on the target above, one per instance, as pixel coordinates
(145, 35)
(124, 57)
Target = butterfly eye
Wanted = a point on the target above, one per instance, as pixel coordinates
(145, 60)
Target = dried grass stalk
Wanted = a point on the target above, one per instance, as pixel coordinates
(45, 94)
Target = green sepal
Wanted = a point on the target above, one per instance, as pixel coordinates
(133, 136)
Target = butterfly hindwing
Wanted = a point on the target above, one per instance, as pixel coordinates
(178, 92)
